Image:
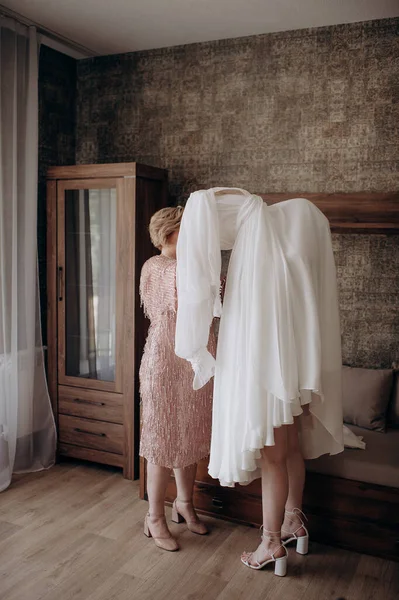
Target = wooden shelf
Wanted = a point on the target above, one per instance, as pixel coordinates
(363, 212)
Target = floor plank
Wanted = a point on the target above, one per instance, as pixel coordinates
(75, 532)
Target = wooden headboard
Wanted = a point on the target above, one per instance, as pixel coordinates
(366, 212)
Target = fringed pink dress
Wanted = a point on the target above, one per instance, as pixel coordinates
(176, 420)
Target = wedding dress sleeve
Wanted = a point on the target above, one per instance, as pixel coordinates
(198, 284)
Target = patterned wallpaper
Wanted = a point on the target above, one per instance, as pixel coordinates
(313, 110)
(368, 281)
(57, 108)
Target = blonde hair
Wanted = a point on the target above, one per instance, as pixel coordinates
(163, 223)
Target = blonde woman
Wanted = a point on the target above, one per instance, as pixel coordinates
(176, 421)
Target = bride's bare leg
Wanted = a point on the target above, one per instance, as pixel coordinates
(274, 496)
(296, 481)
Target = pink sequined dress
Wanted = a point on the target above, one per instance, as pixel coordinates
(176, 420)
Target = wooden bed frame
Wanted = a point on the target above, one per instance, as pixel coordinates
(350, 514)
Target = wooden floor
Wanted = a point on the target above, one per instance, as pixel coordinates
(75, 533)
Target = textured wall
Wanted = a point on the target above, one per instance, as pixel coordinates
(368, 280)
(57, 125)
(311, 110)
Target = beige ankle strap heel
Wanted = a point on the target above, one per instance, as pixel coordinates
(194, 525)
(167, 543)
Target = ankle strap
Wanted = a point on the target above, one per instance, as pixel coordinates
(156, 517)
(297, 512)
(273, 536)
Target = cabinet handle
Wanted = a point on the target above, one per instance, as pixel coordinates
(217, 503)
(89, 402)
(59, 284)
(78, 430)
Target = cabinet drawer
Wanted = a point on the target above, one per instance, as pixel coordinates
(90, 404)
(98, 435)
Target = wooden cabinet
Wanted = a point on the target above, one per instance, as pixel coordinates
(98, 240)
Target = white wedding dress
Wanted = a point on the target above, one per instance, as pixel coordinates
(279, 344)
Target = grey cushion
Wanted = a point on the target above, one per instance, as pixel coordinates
(393, 411)
(366, 394)
(378, 464)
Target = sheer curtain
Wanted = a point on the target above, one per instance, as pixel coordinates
(100, 253)
(90, 218)
(27, 429)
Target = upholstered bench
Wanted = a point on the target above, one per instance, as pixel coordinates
(378, 463)
(353, 498)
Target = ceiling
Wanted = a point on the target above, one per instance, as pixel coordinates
(114, 26)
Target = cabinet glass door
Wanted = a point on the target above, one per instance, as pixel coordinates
(87, 275)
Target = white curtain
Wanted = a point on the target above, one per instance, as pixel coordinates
(27, 429)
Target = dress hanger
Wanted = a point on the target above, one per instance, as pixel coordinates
(224, 191)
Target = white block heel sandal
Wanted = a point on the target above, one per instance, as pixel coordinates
(280, 562)
(296, 518)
